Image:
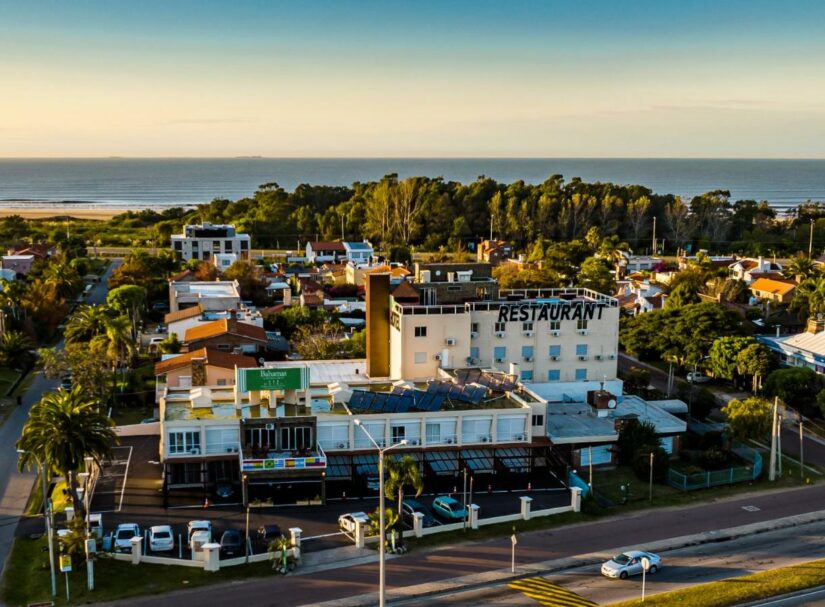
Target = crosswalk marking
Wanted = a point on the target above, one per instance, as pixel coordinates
(549, 594)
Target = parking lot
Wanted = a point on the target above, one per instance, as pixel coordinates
(130, 491)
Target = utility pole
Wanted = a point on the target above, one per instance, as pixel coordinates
(772, 465)
(464, 497)
(590, 464)
(654, 236)
(811, 241)
(651, 477)
(342, 228)
(779, 444)
(801, 456)
(491, 227)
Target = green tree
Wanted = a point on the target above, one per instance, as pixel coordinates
(170, 345)
(800, 267)
(250, 279)
(596, 275)
(796, 386)
(64, 428)
(129, 300)
(682, 295)
(748, 419)
(724, 355)
(641, 463)
(16, 350)
(402, 472)
(634, 436)
(63, 278)
(86, 323)
(755, 360)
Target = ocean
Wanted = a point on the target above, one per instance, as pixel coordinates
(158, 183)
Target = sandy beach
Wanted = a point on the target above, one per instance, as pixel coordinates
(101, 213)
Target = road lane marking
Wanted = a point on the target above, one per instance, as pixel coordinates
(549, 594)
(751, 508)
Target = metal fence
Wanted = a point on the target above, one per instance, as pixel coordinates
(715, 478)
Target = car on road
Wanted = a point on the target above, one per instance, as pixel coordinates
(696, 377)
(194, 526)
(408, 509)
(231, 543)
(449, 508)
(122, 538)
(630, 563)
(161, 538)
(347, 522)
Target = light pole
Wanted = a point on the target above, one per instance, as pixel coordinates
(811, 241)
(47, 514)
(246, 503)
(382, 590)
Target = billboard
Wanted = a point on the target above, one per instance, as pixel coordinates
(273, 378)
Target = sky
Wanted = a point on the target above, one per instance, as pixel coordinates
(509, 78)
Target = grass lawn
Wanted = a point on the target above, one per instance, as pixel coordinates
(738, 590)
(27, 577)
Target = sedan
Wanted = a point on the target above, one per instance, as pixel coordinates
(231, 543)
(630, 563)
(122, 539)
(410, 507)
(161, 538)
(695, 377)
(449, 508)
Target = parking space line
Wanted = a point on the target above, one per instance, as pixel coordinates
(125, 475)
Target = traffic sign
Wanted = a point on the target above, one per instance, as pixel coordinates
(65, 563)
(645, 563)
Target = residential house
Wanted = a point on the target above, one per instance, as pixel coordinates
(322, 251)
(359, 252)
(777, 291)
(20, 264)
(218, 295)
(356, 273)
(206, 240)
(201, 367)
(453, 283)
(181, 321)
(494, 251)
(806, 349)
(750, 269)
(226, 334)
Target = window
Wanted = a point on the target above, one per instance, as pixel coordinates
(667, 444)
(601, 455)
(184, 442)
(527, 352)
(537, 420)
(433, 434)
(420, 358)
(244, 245)
(581, 324)
(474, 352)
(498, 327)
(421, 331)
(509, 428)
(221, 440)
(527, 375)
(222, 382)
(474, 327)
(553, 375)
(399, 433)
(527, 326)
(296, 437)
(581, 374)
(453, 287)
(333, 436)
(224, 347)
(555, 325)
(259, 437)
(581, 349)
(227, 246)
(499, 353)
(555, 351)
(178, 245)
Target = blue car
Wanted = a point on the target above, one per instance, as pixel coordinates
(449, 508)
(410, 507)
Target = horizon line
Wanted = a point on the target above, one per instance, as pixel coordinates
(263, 157)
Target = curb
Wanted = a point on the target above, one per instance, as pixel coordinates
(500, 576)
(781, 597)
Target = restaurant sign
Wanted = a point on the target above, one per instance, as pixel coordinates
(273, 378)
(557, 310)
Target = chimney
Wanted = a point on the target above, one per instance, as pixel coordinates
(815, 325)
(198, 371)
(232, 321)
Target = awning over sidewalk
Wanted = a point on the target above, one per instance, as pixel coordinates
(516, 460)
(442, 463)
(478, 460)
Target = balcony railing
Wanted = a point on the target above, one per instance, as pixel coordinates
(274, 461)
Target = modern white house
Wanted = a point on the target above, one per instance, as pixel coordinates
(206, 240)
(218, 295)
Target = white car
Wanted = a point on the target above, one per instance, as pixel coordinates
(194, 526)
(161, 538)
(630, 563)
(122, 539)
(695, 377)
(347, 522)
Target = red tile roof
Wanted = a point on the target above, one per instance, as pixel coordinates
(215, 358)
(220, 327)
(328, 245)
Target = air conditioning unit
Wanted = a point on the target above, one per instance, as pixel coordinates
(450, 341)
(415, 442)
(519, 437)
(555, 333)
(473, 334)
(341, 446)
(499, 360)
(485, 439)
(528, 359)
(582, 358)
(472, 361)
(269, 427)
(582, 331)
(437, 357)
(598, 357)
(611, 356)
(499, 333)
(195, 451)
(449, 441)
(528, 334)
(554, 358)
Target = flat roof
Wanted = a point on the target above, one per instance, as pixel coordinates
(218, 288)
(324, 372)
(576, 423)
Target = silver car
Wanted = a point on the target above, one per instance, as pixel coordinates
(630, 563)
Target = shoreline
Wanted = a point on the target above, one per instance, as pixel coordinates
(101, 213)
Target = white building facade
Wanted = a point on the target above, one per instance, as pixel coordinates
(205, 241)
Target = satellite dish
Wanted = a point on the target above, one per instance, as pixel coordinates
(611, 404)
(262, 361)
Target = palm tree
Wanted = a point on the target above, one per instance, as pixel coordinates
(87, 323)
(12, 294)
(400, 473)
(63, 429)
(63, 278)
(612, 250)
(16, 350)
(800, 267)
(116, 342)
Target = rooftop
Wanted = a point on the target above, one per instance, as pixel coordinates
(778, 287)
(216, 358)
(219, 327)
(324, 372)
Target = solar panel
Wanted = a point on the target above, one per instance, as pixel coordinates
(433, 386)
(405, 404)
(398, 389)
(391, 403)
(436, 402)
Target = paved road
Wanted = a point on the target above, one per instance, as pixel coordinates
(810, 598)
(15, 487)
(682, 568)
(471, 558)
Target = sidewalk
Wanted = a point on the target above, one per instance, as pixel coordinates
(404, 573)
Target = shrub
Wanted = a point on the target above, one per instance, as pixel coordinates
(633, 436)
(714, 459)
(641, 464)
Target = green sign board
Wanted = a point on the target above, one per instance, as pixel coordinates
(273, 378)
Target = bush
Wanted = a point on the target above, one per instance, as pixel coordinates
(641, 464)
(714, 459)
(711, 440)
(634, 436)
(401, 254)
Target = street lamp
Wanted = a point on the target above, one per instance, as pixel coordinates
(47, 515)
(382, 590)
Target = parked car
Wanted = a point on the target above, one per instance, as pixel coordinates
(66, 382)
(449, 508)
(160, 306)
(195, 526)
(696, 377)
(122, 538)
(198, 538)
(630, 563)
(408, 509)
(347, 522)
(231, 543)
(267, 533)
(161, 538)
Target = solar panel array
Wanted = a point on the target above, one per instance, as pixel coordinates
(400, 400)
(468, 393)
(499, 382)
